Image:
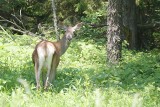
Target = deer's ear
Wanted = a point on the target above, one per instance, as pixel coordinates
(77, 26)
(65, 28)
(61, 26)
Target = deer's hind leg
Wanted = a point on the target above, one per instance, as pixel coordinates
(40, 64)
(49, 67)
(36, 75)
(38, 69)
(55, 63)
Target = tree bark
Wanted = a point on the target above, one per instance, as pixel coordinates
(129, 22)
(114, 22)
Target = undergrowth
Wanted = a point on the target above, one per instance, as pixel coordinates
(83, 78)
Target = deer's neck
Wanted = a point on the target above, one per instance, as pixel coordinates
(62, 45)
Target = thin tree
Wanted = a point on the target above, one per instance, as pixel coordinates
(114, 22)
(55, 20)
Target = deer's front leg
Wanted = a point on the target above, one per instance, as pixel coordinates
(37, 75)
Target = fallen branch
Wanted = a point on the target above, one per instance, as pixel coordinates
(23, 31)
(6, 32)
(6, 20)
(19, 20)
(18, 28)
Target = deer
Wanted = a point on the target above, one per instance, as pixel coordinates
(47, 55)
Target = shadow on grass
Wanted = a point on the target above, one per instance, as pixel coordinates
(131, 75)
(9, 76)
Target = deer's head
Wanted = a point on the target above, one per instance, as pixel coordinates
(70, 31)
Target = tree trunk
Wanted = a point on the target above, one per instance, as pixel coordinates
(55, 20)
(114, 22)
(129, 22)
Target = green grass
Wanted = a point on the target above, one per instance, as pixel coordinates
(83, 78)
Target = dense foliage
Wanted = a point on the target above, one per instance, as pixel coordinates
(27, 14)
(148, 15)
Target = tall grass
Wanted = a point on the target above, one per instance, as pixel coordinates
(83, 79)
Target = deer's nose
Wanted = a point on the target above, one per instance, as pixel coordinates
(69, 38)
